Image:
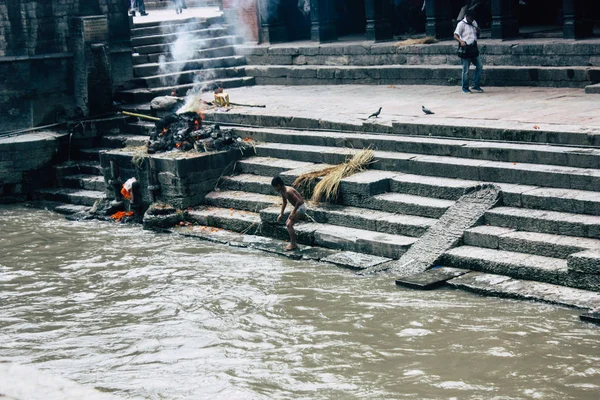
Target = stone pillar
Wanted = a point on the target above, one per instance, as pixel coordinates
(379, 24)
(578, 22)
(322, 21)
(504, 19)
(439, 19)
(272, 29)
(91, 65)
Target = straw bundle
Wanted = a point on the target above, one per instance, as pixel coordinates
(305, 182)
(412, 42)
(328, 188)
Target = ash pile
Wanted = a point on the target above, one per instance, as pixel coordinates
(187, 132)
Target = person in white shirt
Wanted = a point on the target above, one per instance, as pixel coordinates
(466, 33)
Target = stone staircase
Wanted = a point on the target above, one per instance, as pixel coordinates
(549, 214)
(533, 62)
(80, 182)
(182, 54)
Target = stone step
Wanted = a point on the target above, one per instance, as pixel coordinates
(519, 266)
(580, 157)
(157, 4)
(153, 24)
(405, 204)
(91, 154)
(144, 95)
(72, 196)
(70, 209)
(124, 140)
(83, 181)
(194, 77)
(542, 221)
(447, 167)
(359, 218)
(140, 128)
(505, 286)
(185, 34)
(570, 76)
(268, 166)
(241, 200)
(360, 189)
(248, 183)
(194, 44)
(389, 202)
(348, 239)
(216, 52)
(593, 89)
(152, 69)
(313, 234)
(587, 261)
(493, 52)
(168, 27)
(233, 220)
(542, 244)
(78, 167)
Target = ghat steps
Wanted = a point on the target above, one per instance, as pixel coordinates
(549, 62)
(80, 182)
(182, 55)
(547, 222)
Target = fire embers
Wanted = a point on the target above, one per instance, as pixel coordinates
(186, 132)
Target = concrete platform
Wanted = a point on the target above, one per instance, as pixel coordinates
(543, 115)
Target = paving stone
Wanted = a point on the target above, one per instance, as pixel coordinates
(430, 279)
(505, 286)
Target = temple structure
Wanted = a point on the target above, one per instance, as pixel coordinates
(276, 21)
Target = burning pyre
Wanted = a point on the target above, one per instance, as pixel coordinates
(187, 131)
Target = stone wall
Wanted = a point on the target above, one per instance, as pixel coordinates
(37, 56)
(181, 180)
(25, 163)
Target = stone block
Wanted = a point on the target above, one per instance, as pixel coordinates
(308, 50)
(431, 279)
(485, 236)
(283, 51)
(303, 73)
(354, 260)
(331, 50)
(586, 262)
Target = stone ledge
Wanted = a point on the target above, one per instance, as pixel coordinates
(504, 286)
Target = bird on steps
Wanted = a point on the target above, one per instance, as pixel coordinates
(376, 114)
(427, 111)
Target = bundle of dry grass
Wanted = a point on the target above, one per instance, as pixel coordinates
(328, 188)
(305, 182)
(412, 42)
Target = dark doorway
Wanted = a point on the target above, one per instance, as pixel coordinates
(296, 19)
(351, 16)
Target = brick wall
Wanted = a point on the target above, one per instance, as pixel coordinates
(243, 15)
(36, 56)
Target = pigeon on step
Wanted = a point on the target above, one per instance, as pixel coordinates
(427, 111)
(376, 114)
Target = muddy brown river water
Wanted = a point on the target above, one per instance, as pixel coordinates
(158, 316)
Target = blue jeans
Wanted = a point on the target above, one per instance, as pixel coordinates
(139, 4)
(466, 63)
